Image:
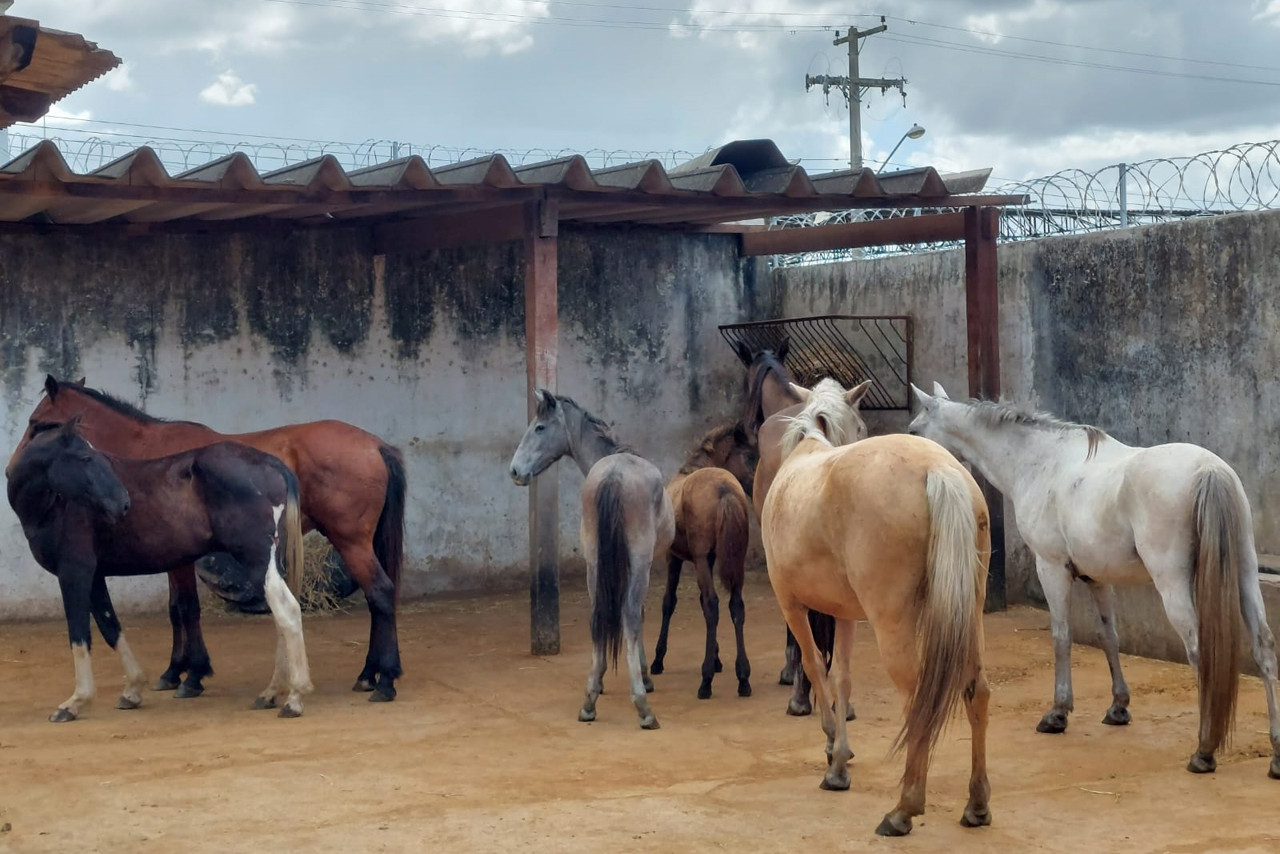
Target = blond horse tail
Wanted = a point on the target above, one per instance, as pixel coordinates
(291, 546)
(1219, 516)
(950, 622)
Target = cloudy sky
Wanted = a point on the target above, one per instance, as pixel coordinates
(1027, 87)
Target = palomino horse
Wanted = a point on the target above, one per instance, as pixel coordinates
(626, 523)
(713, 528)
(769, 442)
(1095, 509)
(892, 530)
(88, 516)
(352, 492)
(767, 392)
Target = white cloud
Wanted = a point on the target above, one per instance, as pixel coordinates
(229, 91)
(119, 79)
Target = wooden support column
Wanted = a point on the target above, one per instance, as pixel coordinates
(541, 329)
(982, 315)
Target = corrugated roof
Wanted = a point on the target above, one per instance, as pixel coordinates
(738, 181)
(47, 66)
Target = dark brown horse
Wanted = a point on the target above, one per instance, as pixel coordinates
(88, 516)
(352, 487)
(713, 527)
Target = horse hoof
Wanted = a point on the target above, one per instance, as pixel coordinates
(799, 710)
(744, 688)
(649, 721)
(719, 666)
(1274, 771)
(1117, 716)
(290, 712)
(127, 703)
(364, 685)
(648, 684)
(62, 716)
(165, 684)
(787, 676)
(835, 784)
(187, 691)
(1201, 764)
(704, 691)
(260, 703)
(850, 715)
(656, 668)
(381, 695)
(891, 827)
(975, 817)
(587, 716)
(1053, 722)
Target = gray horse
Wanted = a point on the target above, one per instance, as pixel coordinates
(626, 522)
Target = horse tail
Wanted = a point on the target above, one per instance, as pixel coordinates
(292, 550)
(388, 538)
(1220, 514)
(613, 569)
(733, 530)
(950, 627)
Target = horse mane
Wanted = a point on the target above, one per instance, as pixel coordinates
(699, 456)
(598, 425)
(753, 403)
(997, 413)
(114, 403)
(824, 411)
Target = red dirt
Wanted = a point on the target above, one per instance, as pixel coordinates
(483, 750)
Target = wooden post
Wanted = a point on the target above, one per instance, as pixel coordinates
(541, 327)
(982, 316)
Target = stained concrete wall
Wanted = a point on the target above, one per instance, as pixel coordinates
(1157, 334)
(425, 350)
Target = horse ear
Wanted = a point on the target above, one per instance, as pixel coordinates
(855, 395)
(546, 401)
(939, 391)
(80, 382)
(50, 386)
(743, 352)
(925, 401)
(783, 349)
(740, 435)
(800, 392)
(72, 426)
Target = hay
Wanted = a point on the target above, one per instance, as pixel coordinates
(317, 594)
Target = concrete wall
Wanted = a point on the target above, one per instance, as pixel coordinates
(426, 350)
(1157, 334)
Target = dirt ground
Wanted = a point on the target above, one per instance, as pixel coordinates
(483, 751)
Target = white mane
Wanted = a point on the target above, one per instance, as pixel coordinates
(823, 417)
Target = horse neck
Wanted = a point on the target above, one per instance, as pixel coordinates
(1004, 453)
(776, 394)
(128, 436)
(587, 445)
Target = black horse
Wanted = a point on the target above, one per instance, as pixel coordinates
(88, 516)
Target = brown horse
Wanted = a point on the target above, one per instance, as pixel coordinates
(895, 531)
(709, 498)
(352, 486)
(851, 428)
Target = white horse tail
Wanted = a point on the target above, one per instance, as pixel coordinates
(950, 622)
(1219, 515)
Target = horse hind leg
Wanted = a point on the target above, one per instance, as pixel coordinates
(674, 565)
(288, 617)
(1181, 611)
(1263, 645)
(977, 695)
(194, 652)
(109, 624)
(815, 668)
(741, 665)
(171, 678)
(1104, 596)
(711, 614)
(382, 662)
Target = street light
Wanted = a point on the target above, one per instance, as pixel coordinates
(914, 132)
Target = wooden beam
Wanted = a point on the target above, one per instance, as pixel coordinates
(850, 235)
(440, 231)
(982, 318)
(541, 329)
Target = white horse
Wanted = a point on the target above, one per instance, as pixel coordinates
(1095, 509)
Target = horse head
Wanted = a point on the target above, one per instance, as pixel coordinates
(58, 462)
(545, 440)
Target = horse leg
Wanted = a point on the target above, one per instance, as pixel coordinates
(841, 660)
(382, 662)
(798, 705)
(1181, 611)
(279, 676)
(711, 614)
(633, 628)
(194, 652)
(674, 565)
(738, 613)
(76, 583)
(1104, 596)
(898, 651)
(792, 662)
(797, 616)
(1056, 583)
(977, 813)
(109, 624)
(288, 617)
(1264, 655)
(172, 677)
(595, 676)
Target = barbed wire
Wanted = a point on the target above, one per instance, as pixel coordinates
(1242, 177)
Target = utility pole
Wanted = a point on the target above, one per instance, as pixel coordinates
(853, 86)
